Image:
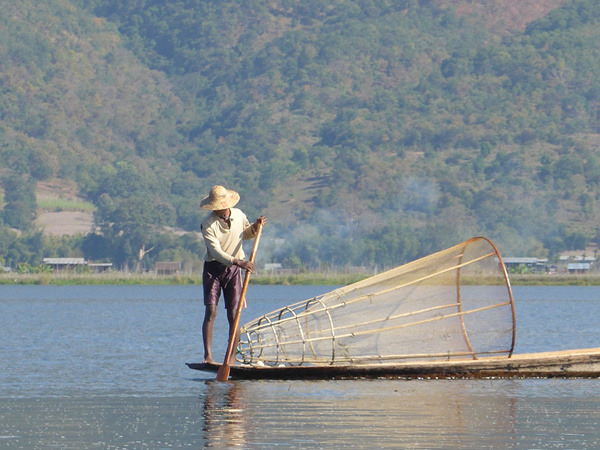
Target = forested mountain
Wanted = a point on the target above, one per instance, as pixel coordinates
(370, 132)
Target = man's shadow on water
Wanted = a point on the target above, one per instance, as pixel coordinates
(224, 410)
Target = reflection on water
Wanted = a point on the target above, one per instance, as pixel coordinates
(225, 414)
(401, 413)
(318, 414)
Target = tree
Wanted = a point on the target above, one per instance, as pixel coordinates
(19, 211)
(129, 227)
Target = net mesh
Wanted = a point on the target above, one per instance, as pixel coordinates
(453, 304)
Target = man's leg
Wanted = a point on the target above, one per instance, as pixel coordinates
(231, 319)
(207, 331)
(232, 290)
(212, 291)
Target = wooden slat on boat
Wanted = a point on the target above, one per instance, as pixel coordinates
(584, 363)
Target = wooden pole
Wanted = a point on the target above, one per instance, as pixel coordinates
(223, 372)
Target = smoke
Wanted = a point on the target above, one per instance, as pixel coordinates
(406, 225)
(321, 239)
(418, 195)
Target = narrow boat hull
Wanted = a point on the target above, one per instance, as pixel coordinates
(583, 363)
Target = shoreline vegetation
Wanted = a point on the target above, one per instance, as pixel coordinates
(333, 278)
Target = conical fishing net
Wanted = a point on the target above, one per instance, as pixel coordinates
(453, 304)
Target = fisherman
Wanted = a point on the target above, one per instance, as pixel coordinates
(223, 232)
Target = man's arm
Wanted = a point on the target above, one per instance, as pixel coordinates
(214, 248)
(249, 233)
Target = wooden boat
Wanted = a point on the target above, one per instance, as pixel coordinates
(582, 363)
(448, 315)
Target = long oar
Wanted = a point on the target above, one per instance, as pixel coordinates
(223, 373)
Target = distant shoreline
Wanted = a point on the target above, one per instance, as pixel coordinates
(302, 278)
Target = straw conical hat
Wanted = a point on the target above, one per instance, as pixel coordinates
(220, 198)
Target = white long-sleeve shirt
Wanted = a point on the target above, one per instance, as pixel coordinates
(224, 244)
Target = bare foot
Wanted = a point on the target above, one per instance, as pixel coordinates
(208, 361)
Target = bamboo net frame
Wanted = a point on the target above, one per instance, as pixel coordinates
(453, 304)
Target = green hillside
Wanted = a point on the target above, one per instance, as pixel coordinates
(370, 132)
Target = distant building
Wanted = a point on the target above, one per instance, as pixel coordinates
(64, 263)
(58, 264)
(578, 268)
(531, 263)
(100, 267)
(577, 262)
(168, 267)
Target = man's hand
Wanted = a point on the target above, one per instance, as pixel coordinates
(248, 265)
(262, 220)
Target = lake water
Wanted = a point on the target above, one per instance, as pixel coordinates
(104, 367)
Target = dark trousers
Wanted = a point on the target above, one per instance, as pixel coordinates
(217, 277)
